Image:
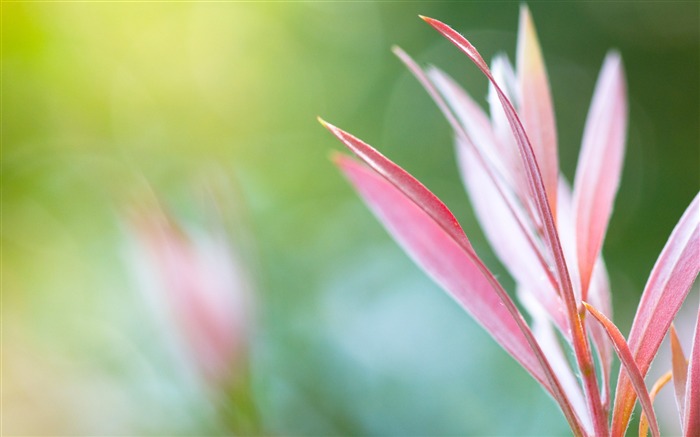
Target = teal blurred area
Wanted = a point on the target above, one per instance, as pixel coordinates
(109, 105)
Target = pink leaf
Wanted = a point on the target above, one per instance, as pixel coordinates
(599, 295)
(668, 285)
(499, 213)
(580, 340)
(627, 360)
(474, 133)
(409, 185)
(532, 170)
(458, 270)
(600, 165)
(680, 371)
(691, 423)
(536, 109)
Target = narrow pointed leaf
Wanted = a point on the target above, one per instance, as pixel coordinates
(627, 360)
(658, 385)
(409, 185)
(504, 75)
(532, 170)
(501, 216)
(579, 337)
(600, 287)
(536, 108)
(457, 270)
(506, 239)
(475, 122)
(437, 252)
(691, 422)
(680, 371)
(669, 283)
(599, 297)
(473, 130)
(600, 164)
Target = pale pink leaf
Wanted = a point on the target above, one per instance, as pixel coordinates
(473, 128)
(475, 122)
(507, 241)
(457, 270)
(669, 283)
(658, 385)
(552, 348)
(691, 422)
(600, 165)
(680, 371)
(599, 295)
(536, 108)
(504, 76)
(532, 170)
(628, 364)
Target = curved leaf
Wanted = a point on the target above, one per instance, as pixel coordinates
(508, 242)
(627, 360)
(599, 165)
(580, 340)
(409, 185)
(536, 108)
(658, 385)
(680, 371)
(668, 285)
(552, 347)
(460, 272)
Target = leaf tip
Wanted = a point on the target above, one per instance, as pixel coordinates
(322, 121)
(432, 21)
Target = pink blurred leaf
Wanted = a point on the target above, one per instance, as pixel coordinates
(599, 165)
(669, 283)
(536, 109)
(680, 371)
(691, 422)
(627, 360)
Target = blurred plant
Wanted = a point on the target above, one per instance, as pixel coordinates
(201, 290)
(546, 233)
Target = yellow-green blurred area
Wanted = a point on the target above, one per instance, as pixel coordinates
(107, 103)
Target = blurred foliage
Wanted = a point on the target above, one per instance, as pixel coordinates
(102, 101)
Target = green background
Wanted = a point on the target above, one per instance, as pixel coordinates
(104, 101)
